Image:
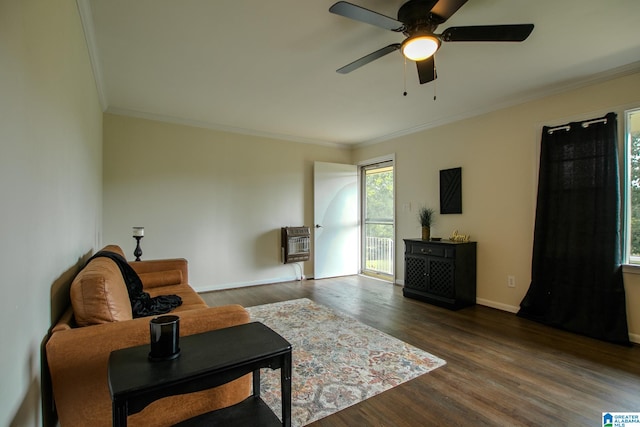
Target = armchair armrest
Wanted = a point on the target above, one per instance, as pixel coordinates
(161, 266)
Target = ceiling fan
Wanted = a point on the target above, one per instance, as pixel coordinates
(418, 19)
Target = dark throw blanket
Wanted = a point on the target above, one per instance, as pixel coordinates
(141, 303)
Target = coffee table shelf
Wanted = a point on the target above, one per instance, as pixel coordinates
(251, 412)
(207, 360)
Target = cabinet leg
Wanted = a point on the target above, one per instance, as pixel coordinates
(256, 383)
(285, 381)
(119, 414)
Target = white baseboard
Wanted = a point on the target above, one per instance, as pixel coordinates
(634, 338)
(485, 302)
(497, 305)
(222, 286)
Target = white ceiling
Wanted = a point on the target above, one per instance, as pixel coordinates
(268, 67)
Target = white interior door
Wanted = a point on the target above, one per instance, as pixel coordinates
(336, 220)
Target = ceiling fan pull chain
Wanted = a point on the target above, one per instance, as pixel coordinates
(435, 81)
(404, 73)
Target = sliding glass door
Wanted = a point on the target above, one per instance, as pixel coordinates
(378, 252)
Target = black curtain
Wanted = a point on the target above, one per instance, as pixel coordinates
(576, 278)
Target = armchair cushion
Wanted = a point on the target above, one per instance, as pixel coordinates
(99, 294)
(108, 289)
(161, 278)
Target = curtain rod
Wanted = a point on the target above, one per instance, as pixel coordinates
(552, 130)
(591, 122)
(584, 125)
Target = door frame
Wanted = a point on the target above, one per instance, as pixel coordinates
(361, 165)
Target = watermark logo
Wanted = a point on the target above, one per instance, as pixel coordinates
(621, 419)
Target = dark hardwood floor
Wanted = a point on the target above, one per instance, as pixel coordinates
(501, 370)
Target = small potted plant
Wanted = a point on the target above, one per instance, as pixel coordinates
(425, 215)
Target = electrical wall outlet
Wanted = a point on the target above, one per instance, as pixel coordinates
(511, 281)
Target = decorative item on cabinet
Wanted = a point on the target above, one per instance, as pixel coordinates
(425, 215)
(457, 237)
(442, 273)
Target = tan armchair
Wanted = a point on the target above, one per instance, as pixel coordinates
(77, 355)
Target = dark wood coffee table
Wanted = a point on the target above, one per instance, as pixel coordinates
(207, 360)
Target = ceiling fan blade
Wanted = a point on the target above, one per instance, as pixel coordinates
(368, 58)
(349, 10)
(445, 8)
(488, 33)
(427, 70)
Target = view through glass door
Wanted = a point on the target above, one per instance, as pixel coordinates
(378, 221)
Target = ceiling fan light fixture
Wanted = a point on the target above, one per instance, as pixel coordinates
(420, 47)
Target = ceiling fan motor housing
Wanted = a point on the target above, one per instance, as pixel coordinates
(417, 17)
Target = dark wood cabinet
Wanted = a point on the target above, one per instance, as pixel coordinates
(441, 273)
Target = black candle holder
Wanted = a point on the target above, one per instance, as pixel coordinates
(138, 251)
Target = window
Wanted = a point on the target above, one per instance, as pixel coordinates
(632, 138)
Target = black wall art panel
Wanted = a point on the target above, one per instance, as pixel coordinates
(451, 191)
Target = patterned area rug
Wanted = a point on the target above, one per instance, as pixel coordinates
(337, 360)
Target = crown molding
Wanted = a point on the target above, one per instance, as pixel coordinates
(86, 17)
(219, 127)
(551, 90)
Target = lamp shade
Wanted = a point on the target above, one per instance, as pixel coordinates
(420, 47)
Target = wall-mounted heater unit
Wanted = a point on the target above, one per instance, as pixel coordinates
(295, 244)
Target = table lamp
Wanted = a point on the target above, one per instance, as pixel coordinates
(138, 233)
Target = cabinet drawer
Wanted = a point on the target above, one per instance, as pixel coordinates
(431, 250)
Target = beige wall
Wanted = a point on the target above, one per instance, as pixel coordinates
(219, 199)
(215, 198)
(498, 153)
(50, 183)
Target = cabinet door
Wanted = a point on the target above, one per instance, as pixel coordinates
(416, 273)
(440, 274)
